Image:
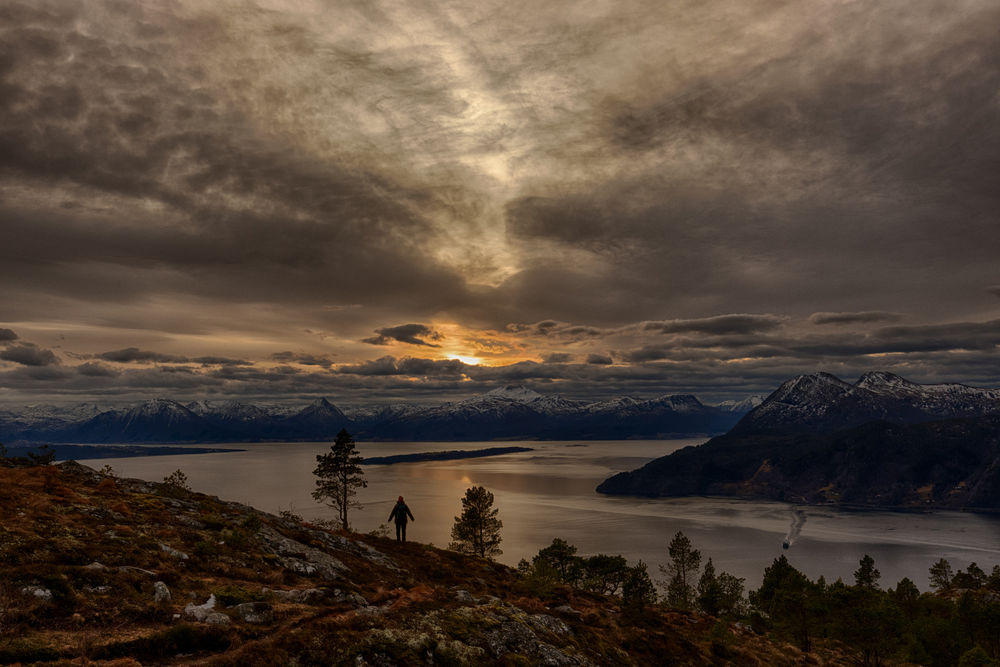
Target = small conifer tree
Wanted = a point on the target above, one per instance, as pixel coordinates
(477, 529)
(681, 572)
(867, 576)
(941, 575)
(339, 476)
(177, 481)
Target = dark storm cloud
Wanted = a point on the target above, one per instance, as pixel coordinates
(557, 358)
(92, 369)
(556, 329)
(816, 171)
(994, 290)
(958, 336)
(407, 366)
(305, 359)
(29, 354)
(718, 325)
(413, 334)
(116, 117)
(6, 335)
(952, 336)
(135, 355)
(221, 361)
(863, 317)
(599, 359)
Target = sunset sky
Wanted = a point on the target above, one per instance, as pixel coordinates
(418, 201)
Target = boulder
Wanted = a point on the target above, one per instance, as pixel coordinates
(200, 612)
(160, 592)
(259, 613)
(37, 591)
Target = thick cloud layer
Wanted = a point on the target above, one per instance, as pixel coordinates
(611, 197)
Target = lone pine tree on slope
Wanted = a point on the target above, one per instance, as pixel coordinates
(339, 476)
(477, 530)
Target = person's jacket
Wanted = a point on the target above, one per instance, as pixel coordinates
(399, 513)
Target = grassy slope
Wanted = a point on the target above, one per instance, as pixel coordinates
(370, 597)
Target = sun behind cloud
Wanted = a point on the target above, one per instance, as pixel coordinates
(471, 361)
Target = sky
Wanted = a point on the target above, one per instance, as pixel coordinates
(380, 201)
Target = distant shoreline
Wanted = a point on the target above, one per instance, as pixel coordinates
(89, 452)
(443, 456)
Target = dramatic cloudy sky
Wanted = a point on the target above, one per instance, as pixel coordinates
(381, 200)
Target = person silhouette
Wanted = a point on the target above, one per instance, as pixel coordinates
(399, 513)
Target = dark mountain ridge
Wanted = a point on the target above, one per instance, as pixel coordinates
(881, 442)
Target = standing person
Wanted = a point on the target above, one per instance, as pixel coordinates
(399, 512)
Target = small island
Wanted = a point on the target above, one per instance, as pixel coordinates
(443, 456)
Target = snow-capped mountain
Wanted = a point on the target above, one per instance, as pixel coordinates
(373, 414)
(511, 411)
(319, 420)
(229, 411)
(157, 420)
(742, 407)
(822, 402)
(39, 415)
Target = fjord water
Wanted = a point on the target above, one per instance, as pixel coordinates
(549, 492)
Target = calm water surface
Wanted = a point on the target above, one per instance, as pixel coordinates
(549, 492)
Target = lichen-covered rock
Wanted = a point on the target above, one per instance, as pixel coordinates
(353, 599)
(297, 595)
(566, 610)
(199, 612)
(300, 558)
(160, 592)
(366, 551)
(464, 597)
(451, 652)
(37, 591)
(549, 624)
(510, 637)
(550, 656)
(259, 613)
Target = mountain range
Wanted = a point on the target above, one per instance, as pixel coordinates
(510, 412)
(822, 402)
(881, 442)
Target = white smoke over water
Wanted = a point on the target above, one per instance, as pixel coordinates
(798, 520)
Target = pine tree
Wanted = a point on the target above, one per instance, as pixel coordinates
(561, 558)
(941, 575)
(477, 530)
(867, 576)
(339, 476)
(638, 589)
(683, 568)
(709, 591)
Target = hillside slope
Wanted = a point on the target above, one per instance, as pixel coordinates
(99, 570)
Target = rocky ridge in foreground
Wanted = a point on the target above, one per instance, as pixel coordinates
(100, 570)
